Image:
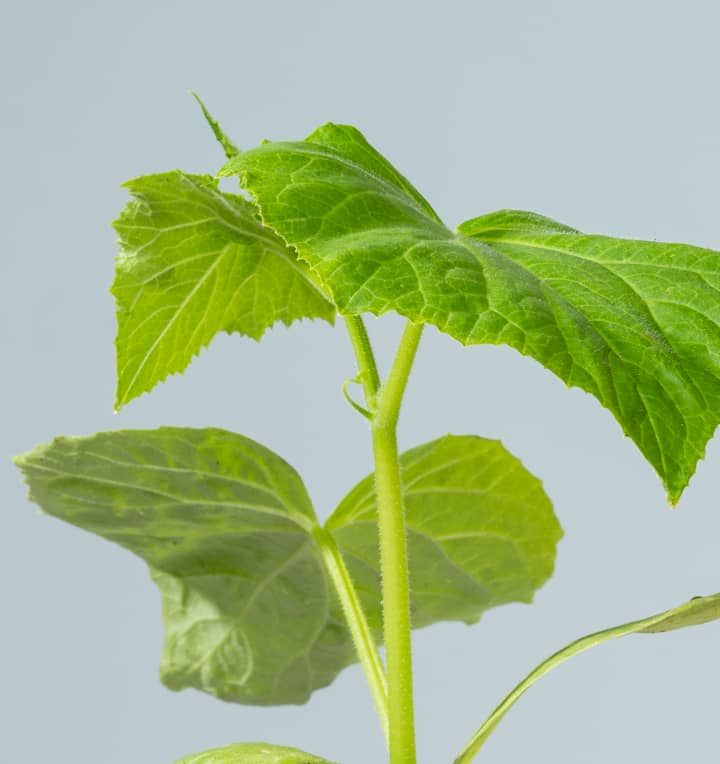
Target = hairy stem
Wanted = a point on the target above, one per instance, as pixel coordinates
(395, 596)
(367, 368)
(357, 622)
(393, 551)
(384, 403)
(393, 389)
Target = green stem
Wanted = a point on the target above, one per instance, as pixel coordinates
(357, 622)
(578, 646)
(393, 551)
(391, 395)
(384, 405)
(395, 597)
(367, 368)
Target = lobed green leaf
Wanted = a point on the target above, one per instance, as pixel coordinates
(634, 323)
(226, 526)
(194, 262)
(481, 531)
(253, 753)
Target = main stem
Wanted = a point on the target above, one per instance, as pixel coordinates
(384, 403)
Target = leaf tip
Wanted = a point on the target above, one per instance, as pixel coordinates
(674, 492)
(119, 402)
(20, 461)
(228, 146)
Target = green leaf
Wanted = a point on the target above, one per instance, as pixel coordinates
(253, 753)
(226, 526)
(194, 262)
(635, 323)
(481, 531)
(697, 611)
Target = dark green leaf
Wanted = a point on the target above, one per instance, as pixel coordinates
(635, 323)
(195, 262)
(481, 531)
(253, 753)
(226, 526)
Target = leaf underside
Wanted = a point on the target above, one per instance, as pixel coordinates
(253, 753)
(634, 323)
(481, 531)
(225, 526)
(194, 262)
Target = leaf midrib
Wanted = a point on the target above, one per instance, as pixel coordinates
(313, 149)
(291, 515)
(171, 322)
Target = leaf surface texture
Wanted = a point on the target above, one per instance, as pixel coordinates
(634, 323)
(196, 261)
(226, 527)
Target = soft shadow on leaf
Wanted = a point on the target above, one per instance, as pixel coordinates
(226, 526)
(481, 531)
(635, 323)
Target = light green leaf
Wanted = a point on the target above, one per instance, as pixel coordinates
(481, 531)
(697, 611)
(635, 323)
(253, 753)
(195, 262)
(226, 526)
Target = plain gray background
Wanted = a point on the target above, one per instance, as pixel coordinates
(603, 115)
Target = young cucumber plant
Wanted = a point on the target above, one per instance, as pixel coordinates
(261, 603)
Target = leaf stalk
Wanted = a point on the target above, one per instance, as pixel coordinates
(392, 391)
(574, 648)
(367, 367)
(357, 622)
